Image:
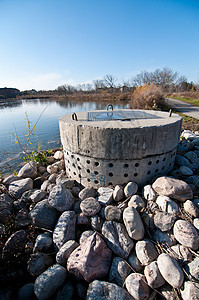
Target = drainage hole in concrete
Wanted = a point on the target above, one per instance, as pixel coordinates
(110, 165)
(74, 173)
(157, 161)
(74, 165)
(88, 162)
(80, 176)
(125, 166)
(136, 165)
(164, 158)
(88, 171)
(69, 170)
(126, 175)
(135, 174)
(87, 151)
(169, 164)
(110, 174)
(110, 183)
(150, 163)
(163, 168)
(156, 170)
(149, 172)
(72, 156)
(96, 181)
(79, 167)
(96, 164)
(78, 159)
(95, 172)
(67, 153)
(88, 180)
(68, 161)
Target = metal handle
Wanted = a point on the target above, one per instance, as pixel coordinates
(109, 114)
(74, 116)
(170, 112)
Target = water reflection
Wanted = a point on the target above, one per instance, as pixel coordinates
(12, 120)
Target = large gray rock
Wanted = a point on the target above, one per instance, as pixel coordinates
(118, 193)
(173, 188)
(112, 213)
(61, 198)
(85, 235)
(105, 290)
(105, 195)
(133, 223)
(186, 234)
(146, 252)
(137, 202)
(28, 170)
(153, 275)
(15, 243)
(64, 229)
(137, 287)
(130, 189)
(119, 271)
(17, 188)
(191, 208)
(148, 193)
(167, 205)
(65, 251)
(87, 192)
(91, 260)
(37, 196)
(38, 263)
(43, 242)
(49, 282)
(190, 291)
(164, 221)
(135, 263)
(117, 238)
(90, 206)
(192, 269)
(43, 215)
(170, 270)
(10, 179)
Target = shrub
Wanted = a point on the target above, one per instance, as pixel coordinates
(147, 97)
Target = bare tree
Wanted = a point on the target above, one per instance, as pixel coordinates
(110, 80)
(66, 89)
(98, 84)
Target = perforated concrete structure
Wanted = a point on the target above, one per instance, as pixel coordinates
(103, 148)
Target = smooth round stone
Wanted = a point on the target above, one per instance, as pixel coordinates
(130, 189)
(190, 291)
(119, 271)
(146, 252)
(137, 287)
(186, 171)
(167, 205)
(148, 193)
(118, 193)
(164, 221)
(192, 269)
(134, 262)
(186, 234)
(136, 202)
(90, 206)
(112, 213)
(153, 275)
(170, 270)
(133, 223)
(196, 223)
(87, 193)
(191, 208)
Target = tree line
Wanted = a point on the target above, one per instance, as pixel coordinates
(165, 78)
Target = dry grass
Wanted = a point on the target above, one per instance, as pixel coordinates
(147, 97)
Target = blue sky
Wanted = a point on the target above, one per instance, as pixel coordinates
(46, 43)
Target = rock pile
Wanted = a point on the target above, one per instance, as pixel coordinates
(60, 240)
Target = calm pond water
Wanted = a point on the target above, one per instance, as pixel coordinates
(13, 120)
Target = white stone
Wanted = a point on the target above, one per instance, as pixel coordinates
(133, 223)
(148, 193)
(137, 202)
(196, 223)
(118, 193)
(59, 155)
(130, 189)
(167, 205)
(146, 252)
(191, 208)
